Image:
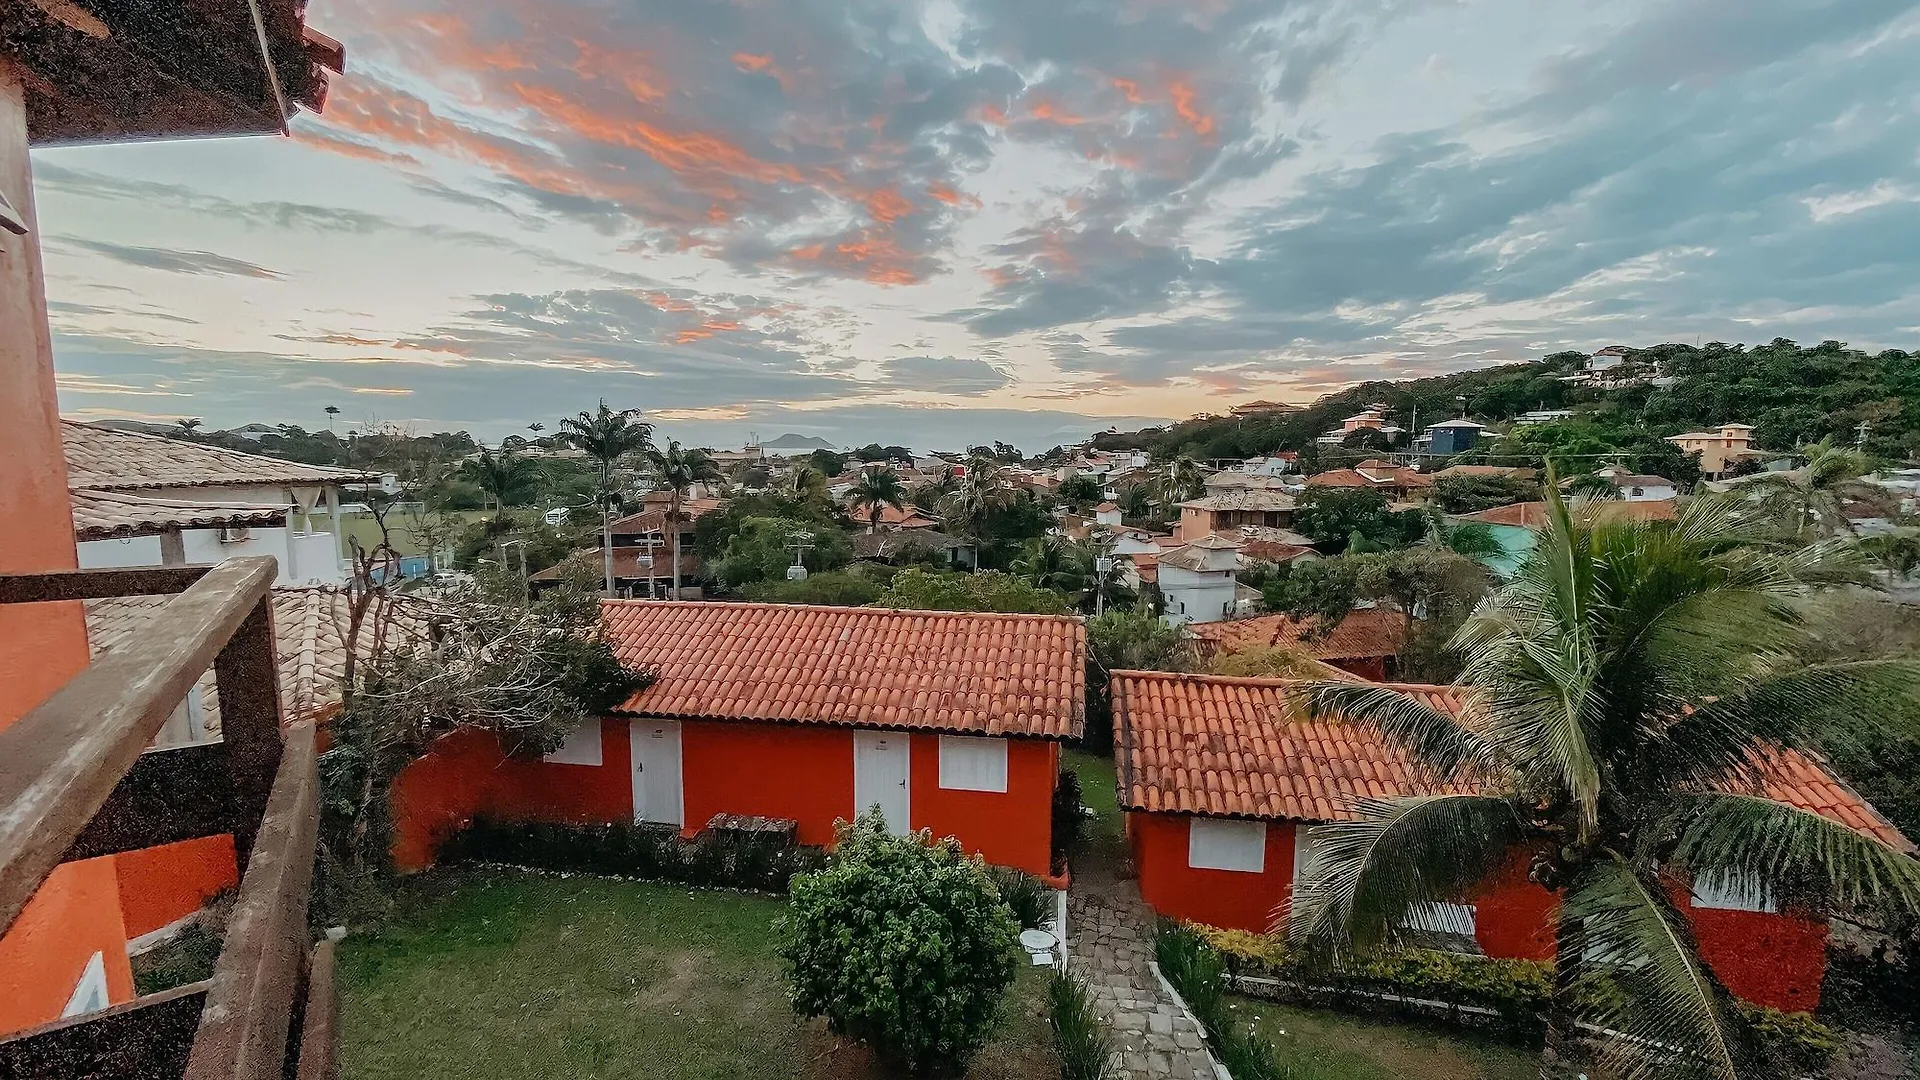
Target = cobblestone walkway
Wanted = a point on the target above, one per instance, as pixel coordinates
(1110, 941)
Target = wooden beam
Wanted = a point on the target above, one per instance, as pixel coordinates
(244, 1028)
(99, 584)
(61, 762)
(248, 681)
(141, 1039)
(320, 1026)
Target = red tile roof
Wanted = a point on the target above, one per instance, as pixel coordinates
(1533, 515)
(969, 672)
(1366, 632)
(1234, 747)
(626, 564)
(907, 517)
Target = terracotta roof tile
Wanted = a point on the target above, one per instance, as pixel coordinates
(860, 667)
(100, 457)
(104, 515)
(1365, 632)
(1180, 738)
(309, 641)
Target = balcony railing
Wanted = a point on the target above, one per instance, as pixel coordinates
(75, 784)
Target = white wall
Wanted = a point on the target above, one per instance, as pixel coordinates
(1195, 596)
(108, 554)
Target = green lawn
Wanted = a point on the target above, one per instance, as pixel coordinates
(514, 976)
(1106, 834)
(1341, 1046)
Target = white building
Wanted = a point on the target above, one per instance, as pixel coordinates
(1197, 579)
(1639, 487)
(1106, 514)
(144, 500)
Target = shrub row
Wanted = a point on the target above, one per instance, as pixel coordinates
(1518, 992)
(1081, 1036)
(1196, 971)
(765, 861)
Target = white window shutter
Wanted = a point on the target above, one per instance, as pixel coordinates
(1216, 844)
(969, 763)
(1732, 892)
(582, 746)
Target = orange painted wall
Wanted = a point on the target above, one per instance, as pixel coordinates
(1010, 828)
(797, 771)
(75, 914)
(1772, 960)
(161, 885)
(1232, 899)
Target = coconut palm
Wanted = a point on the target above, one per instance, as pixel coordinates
(1136, 501)
(1813, 499)
(677, 470)
(501, 475)
(980, 492)
(1184, 480)
(1040, 560)
(1087, 586)
(876, 490)
(929, 496)
(606, 436)
(189, 426)
(807, 484)
(1625, 689)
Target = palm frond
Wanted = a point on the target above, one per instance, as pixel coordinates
(1366, 874)
(1797, 707)
(1642, 982)
(1795, 856)
(1432, 737)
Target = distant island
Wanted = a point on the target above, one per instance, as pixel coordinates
(791, 441)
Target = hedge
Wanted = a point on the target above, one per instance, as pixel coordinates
(718, 858)
(1517, 992)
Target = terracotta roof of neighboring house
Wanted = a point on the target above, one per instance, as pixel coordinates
(1194, 554)
(100, 457)
(963, 672)
(1371, 474)
(887, 545)
(1533, 515)
(655, 520)
(1233, 747)
(1518, 472)
(1105, 508)
(105, 515)
(908, 517)
(1241, 499)
(626, 564)
(309, 641)
(1234, 480)
(1365, 632)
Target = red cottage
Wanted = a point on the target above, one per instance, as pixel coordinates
(949, 721)
(1219, 775)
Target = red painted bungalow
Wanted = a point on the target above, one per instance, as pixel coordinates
(949, 721)
(1222, 778)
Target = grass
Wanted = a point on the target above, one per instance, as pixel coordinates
(1328, 1045)
(1098, 790)
(515, 976)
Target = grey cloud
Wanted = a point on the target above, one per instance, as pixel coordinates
(944, 375)
(177, 262)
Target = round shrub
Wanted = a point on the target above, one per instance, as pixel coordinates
(902, 943)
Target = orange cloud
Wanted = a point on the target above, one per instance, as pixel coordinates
(1047, 110)
(633, 70)
(1130, 90)
(1183, 104)
(994, 115)
(704, 330)
(887, 204)
(762, 65)
(948, 195)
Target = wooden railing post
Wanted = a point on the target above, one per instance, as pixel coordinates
(244, 1027)
(248, 682)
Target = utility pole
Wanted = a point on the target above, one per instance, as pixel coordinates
(648, 543)
(1102, 566)
(1860, 441)
(801, 543)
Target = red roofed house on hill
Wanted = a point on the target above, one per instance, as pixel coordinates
(1220, 777)
(949, 721)
(1364, 643)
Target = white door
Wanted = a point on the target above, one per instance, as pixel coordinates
(880, 776)
(656, 772)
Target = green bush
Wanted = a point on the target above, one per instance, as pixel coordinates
(1791, 1044)
(1028, 897)
(187, 958)
(1081, 1035)
(1196, 971)
(903, 943)
(717, 858)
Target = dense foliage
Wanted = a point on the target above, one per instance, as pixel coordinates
(716, 858)
(1335, 518)
(904, 943)
(764, 547)
(988, 590)
(1126, 639)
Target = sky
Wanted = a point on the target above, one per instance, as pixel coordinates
(939, 222)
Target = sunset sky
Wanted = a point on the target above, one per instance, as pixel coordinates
(943, 222)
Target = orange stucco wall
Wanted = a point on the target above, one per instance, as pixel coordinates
(798, 771)
(1772, 960)
(161, 885)
(75, 914)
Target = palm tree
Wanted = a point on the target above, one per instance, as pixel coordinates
(678, 470)
(807, 484)
(331, 411)
(502, 475)
(1622, 689)
(1087, 586)
(1040, 560)
(1184, 480)
(876, 490)
(981, 491)
(188, 426)
(930, 495)
(1814, 497)
(606, 437)
(1136, 501)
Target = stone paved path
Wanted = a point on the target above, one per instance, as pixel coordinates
(1109, 943)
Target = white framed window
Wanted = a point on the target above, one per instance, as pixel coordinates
(581, 748)
(969, 763)
(1215, 844)
(1733, 891)
(90, 993)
